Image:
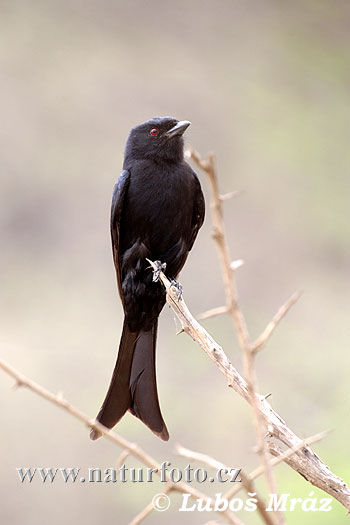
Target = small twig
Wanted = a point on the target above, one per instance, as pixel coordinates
(283, 310)
(122, 458)
(198, 456)
(217, 465)
(213, 312)
(230, 195)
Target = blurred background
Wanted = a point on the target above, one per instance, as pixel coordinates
(266, 87)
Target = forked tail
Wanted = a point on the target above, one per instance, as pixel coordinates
(133, 385)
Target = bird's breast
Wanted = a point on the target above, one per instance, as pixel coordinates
(158, 208)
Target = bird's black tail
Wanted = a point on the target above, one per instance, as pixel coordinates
(133, 385)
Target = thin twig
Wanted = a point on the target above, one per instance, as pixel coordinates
(122, 458)
(217, 465)
(213, 312)
(283, 310)
(230, 195)
(199, 456)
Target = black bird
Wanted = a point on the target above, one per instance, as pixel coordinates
(157, 210)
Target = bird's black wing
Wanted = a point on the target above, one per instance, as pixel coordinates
(133, 384)
(198, 212)
(116, 211)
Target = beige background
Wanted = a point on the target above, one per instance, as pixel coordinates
(266, 86)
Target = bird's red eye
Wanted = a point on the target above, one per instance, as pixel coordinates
(154, 132)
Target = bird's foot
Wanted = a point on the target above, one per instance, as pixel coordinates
(178, 286)
(159, 268)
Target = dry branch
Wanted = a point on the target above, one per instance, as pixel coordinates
(128, 447)
(234, 310)
(305, 461)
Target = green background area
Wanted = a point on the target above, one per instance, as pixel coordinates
(266, 87)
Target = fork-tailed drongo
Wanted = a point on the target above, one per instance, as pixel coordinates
(157, 210)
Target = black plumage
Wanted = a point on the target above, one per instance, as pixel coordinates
(157, 210)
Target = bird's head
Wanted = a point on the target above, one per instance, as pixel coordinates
(159, 139)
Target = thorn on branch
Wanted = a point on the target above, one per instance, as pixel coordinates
(236, 264)
(18, 384)
(230, 195)
(216, 234)
(269, 433)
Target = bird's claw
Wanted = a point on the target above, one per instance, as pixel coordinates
(159, 268)
(178, 286)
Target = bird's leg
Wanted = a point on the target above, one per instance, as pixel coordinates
(160, 267)
(178, 286)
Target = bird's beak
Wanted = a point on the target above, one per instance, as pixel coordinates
(179, 129)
